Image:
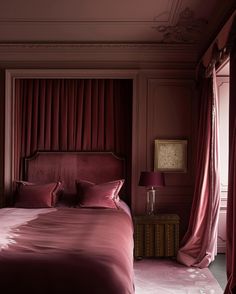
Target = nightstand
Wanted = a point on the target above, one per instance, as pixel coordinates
(156, 235)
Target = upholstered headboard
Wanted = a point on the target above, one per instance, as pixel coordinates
(97, 167)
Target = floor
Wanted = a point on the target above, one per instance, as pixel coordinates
(166, 276)
(218, 269)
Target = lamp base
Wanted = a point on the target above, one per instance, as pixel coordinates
(151, 201)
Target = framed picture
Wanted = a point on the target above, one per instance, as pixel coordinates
(170, 155)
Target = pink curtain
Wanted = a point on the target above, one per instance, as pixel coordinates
(72, 115)
(198, 247)
(231, 205)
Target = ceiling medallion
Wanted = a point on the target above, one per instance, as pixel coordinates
(187, 29)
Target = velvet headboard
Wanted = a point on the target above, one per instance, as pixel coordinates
(97, 167)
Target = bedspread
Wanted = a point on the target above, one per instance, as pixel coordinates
(66, 250)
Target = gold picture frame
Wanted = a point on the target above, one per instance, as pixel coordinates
(170, 156)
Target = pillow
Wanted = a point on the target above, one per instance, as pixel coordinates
(35, 195)
(103, 195)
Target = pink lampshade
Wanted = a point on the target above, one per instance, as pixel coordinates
(151, 179)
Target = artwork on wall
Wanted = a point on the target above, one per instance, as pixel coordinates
(170, 156)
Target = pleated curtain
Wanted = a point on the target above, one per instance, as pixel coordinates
(72, 115)
(198, 247)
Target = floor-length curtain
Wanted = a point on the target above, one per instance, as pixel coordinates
(198, 247)
(72, 115)
(231, 204)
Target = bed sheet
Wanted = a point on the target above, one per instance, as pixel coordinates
(66, 250)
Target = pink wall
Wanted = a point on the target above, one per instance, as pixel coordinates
(167, 112)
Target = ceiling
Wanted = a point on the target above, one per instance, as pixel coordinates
(112, 21)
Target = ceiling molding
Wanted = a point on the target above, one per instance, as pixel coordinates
(188, 28)
(127, 52)
(168, 47)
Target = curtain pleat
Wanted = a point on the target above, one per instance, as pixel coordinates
(117, 111)
(72, 115)
(56, 121)
(101, 117)
(28, 121)
(42, 114)
(94, 116)
(198, 246)
(109, 117)
(86, 134)
(79, 114)
(35, 119)
(70, 89)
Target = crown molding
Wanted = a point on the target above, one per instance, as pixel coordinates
(160, 46)
(98, 52)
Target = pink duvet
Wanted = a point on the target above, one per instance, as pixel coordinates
(66, 250)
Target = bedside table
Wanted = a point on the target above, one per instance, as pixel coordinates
(156, 235)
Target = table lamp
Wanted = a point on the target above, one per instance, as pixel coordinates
(151, 180)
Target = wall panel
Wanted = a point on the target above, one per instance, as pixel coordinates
(170, 115)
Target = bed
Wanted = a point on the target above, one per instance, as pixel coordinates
(67, 245)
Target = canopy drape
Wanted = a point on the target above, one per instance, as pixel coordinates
(72, 115)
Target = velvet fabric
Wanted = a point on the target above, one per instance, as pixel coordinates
(66, 250)
(231, 204)
(35, 195)
(198, 246)
(72, 115)
(95, 167)
(102, 195)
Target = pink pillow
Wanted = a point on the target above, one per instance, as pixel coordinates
(33, 195)
(98, 195)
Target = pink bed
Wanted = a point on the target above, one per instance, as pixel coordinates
(67, 248)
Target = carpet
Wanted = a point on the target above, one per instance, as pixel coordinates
(163, 276)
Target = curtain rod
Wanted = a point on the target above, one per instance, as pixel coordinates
(220, 40)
